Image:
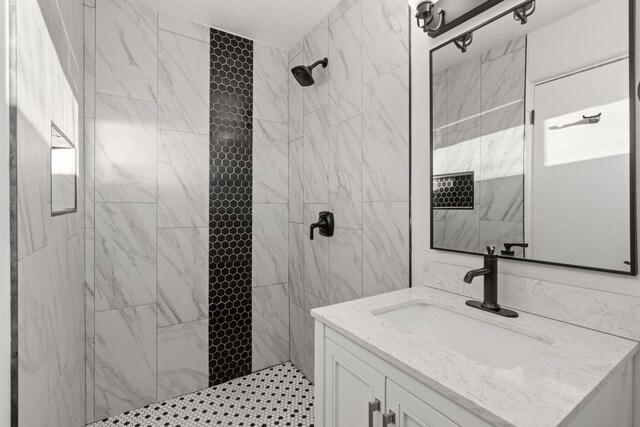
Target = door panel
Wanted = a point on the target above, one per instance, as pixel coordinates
(351, 385)
(411, 411)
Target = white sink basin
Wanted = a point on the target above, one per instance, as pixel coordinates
(472, 338)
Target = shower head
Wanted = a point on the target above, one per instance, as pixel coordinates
(304, 74)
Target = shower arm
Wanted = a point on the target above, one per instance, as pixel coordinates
(315, 64)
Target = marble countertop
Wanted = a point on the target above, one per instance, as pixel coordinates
(548, 389)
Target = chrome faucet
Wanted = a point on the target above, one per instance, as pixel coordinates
(490, 273)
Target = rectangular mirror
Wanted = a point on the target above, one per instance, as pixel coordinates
(63, 174)
(532, 136)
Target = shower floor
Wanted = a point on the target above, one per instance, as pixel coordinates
(277, 396)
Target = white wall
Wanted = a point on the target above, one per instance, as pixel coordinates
(5, 339)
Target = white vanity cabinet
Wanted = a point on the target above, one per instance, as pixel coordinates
(355, 387)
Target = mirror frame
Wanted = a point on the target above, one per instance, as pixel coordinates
(633, 250)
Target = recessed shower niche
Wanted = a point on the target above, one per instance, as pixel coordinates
(64, 173)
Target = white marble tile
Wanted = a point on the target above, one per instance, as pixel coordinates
(296, 101)
(270, 244)
(311, 302)
(66, 406)
(90, 382)
(125, 255)
(184, 27)
(75, 330)
(297, 339)
(316, 47)
(126, 150)
(270, 88)
(497, 233)
(270, 326)
(506, 119)
(316, 255)
(296, 263)
(345, 173)
(34, 130)
(89, 147)
(439, 103)
(296, 50)
(345, 59)
(125, 363)
(183, 180)
(345, 265)
(504, 48)
(341, 8)
(183, 359)
(464, 94)
(502, 154)
(503, 80)
(89, 280)
(126, 49)
(385, 137)
(385, 37)
(33, 337)
(316, 157)
(183, 275)
(502, 199)
(270, 162)
(89, 61)
(461, 156)
(461, 230)
(296, 188)
(385, 247)
(183, 83)
(59, 313)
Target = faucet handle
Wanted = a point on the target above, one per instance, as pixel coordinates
(491, 250)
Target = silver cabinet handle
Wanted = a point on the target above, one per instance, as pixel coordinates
(373, 407)
(388, 418)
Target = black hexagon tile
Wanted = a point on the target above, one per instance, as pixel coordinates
(454, 191)
(230, 205)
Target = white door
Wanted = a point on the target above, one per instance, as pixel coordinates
(412, 412)
(351, 386)
(580, 169)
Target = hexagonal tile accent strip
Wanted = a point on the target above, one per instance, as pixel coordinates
(230, 204)
(454, 191)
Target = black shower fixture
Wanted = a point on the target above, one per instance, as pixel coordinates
(304, 74)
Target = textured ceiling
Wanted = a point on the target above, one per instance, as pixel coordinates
(277, 22)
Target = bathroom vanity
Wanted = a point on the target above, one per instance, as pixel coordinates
(421, 357)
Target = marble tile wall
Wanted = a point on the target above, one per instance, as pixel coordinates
(146, 221)
(349, 154)
(271, 209)
(478, 126)
(51, 349)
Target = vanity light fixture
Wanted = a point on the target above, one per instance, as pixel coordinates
(425, 15)
(523, 13)
(464, 41)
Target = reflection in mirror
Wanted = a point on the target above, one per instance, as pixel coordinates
(63, 173)
(531, 137)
